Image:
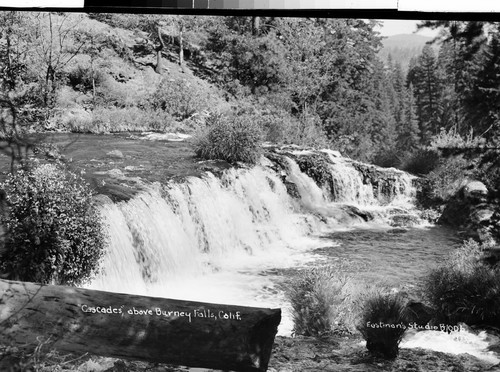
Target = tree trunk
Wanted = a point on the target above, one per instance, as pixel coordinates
(255, 26)
(159, 50)
(127, 326)
(181, 44)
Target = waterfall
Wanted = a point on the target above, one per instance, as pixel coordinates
(200, 238)
(167, 237)
(201, 226)
(224, 238)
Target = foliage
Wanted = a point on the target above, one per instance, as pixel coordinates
(487, 169)
(388, 158)
(464, 289)
(318, 298)
(232, 138)
(426, 90)
(84, 78)
(448, 177)
(127, 119)
(452, 139)
(179, 98)
(326, 70)
(421, 162)
(382, 322)
(257, 62)
(54, 231)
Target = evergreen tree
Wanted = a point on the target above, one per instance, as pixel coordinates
(426, 88)
(408, 132)
(482, 104)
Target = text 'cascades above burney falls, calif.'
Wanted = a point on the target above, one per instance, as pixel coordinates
(237, 235)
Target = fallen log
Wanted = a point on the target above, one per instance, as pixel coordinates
(179, 332)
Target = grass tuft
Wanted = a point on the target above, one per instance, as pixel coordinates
(319, 301)
(230, 138)
(383, 323)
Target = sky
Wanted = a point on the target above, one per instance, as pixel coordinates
(395, 27)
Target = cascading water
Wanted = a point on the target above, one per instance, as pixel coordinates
(220, 239)
(176, 240)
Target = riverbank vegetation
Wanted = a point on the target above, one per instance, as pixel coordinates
(54, 233)
(234, 82)
(233, 138)
(465, 289)
(307, 81)
(319, 82)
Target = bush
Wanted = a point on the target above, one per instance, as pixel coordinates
(179, 98)
(230, 138)
(448, 177)
(84, 79)
(318, 301)
(421, 161)
(54, 231)
(452, 139)
(383, 323)
(127, 119)
(387, 159)
(465, 289)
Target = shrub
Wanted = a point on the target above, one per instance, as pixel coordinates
(465, 289)
(452, 139)
(448, 177)
(84, 78)
(230, 138)
(127, 119)
(387, 158)
(383, 323)
(318, 300)
(54, 231)
(421, 161)
(179, 98)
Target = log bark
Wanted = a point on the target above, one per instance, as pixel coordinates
(193, 334)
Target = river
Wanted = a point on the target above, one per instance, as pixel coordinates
(234, 238)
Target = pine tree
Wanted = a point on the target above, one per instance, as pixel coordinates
(427, 92)
(408, 132)
(482, 104)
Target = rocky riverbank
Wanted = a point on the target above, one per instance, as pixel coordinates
(299, 354)
(475, 211)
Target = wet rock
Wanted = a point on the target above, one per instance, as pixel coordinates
(115, 173)
(216, 167)
(398, 230)
(404, 220)
(475, 190)
(115, 154)
(353, 211)
(471, 210)
(101, 199)
(419, 313)
(492, 256)
(116, 192)
(348, 354)
(291, 189)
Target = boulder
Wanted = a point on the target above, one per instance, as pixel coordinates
(472, 210)
(115, 154)
(475, 190)
(419, 313)
(404, 220)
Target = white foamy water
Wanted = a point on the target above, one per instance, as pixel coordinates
(464, 341)
(220, 240)
(207, 239)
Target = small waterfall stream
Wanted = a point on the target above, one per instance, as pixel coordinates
(220, 239)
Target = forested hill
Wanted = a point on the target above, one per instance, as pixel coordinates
(319, 82)
(402, 48)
